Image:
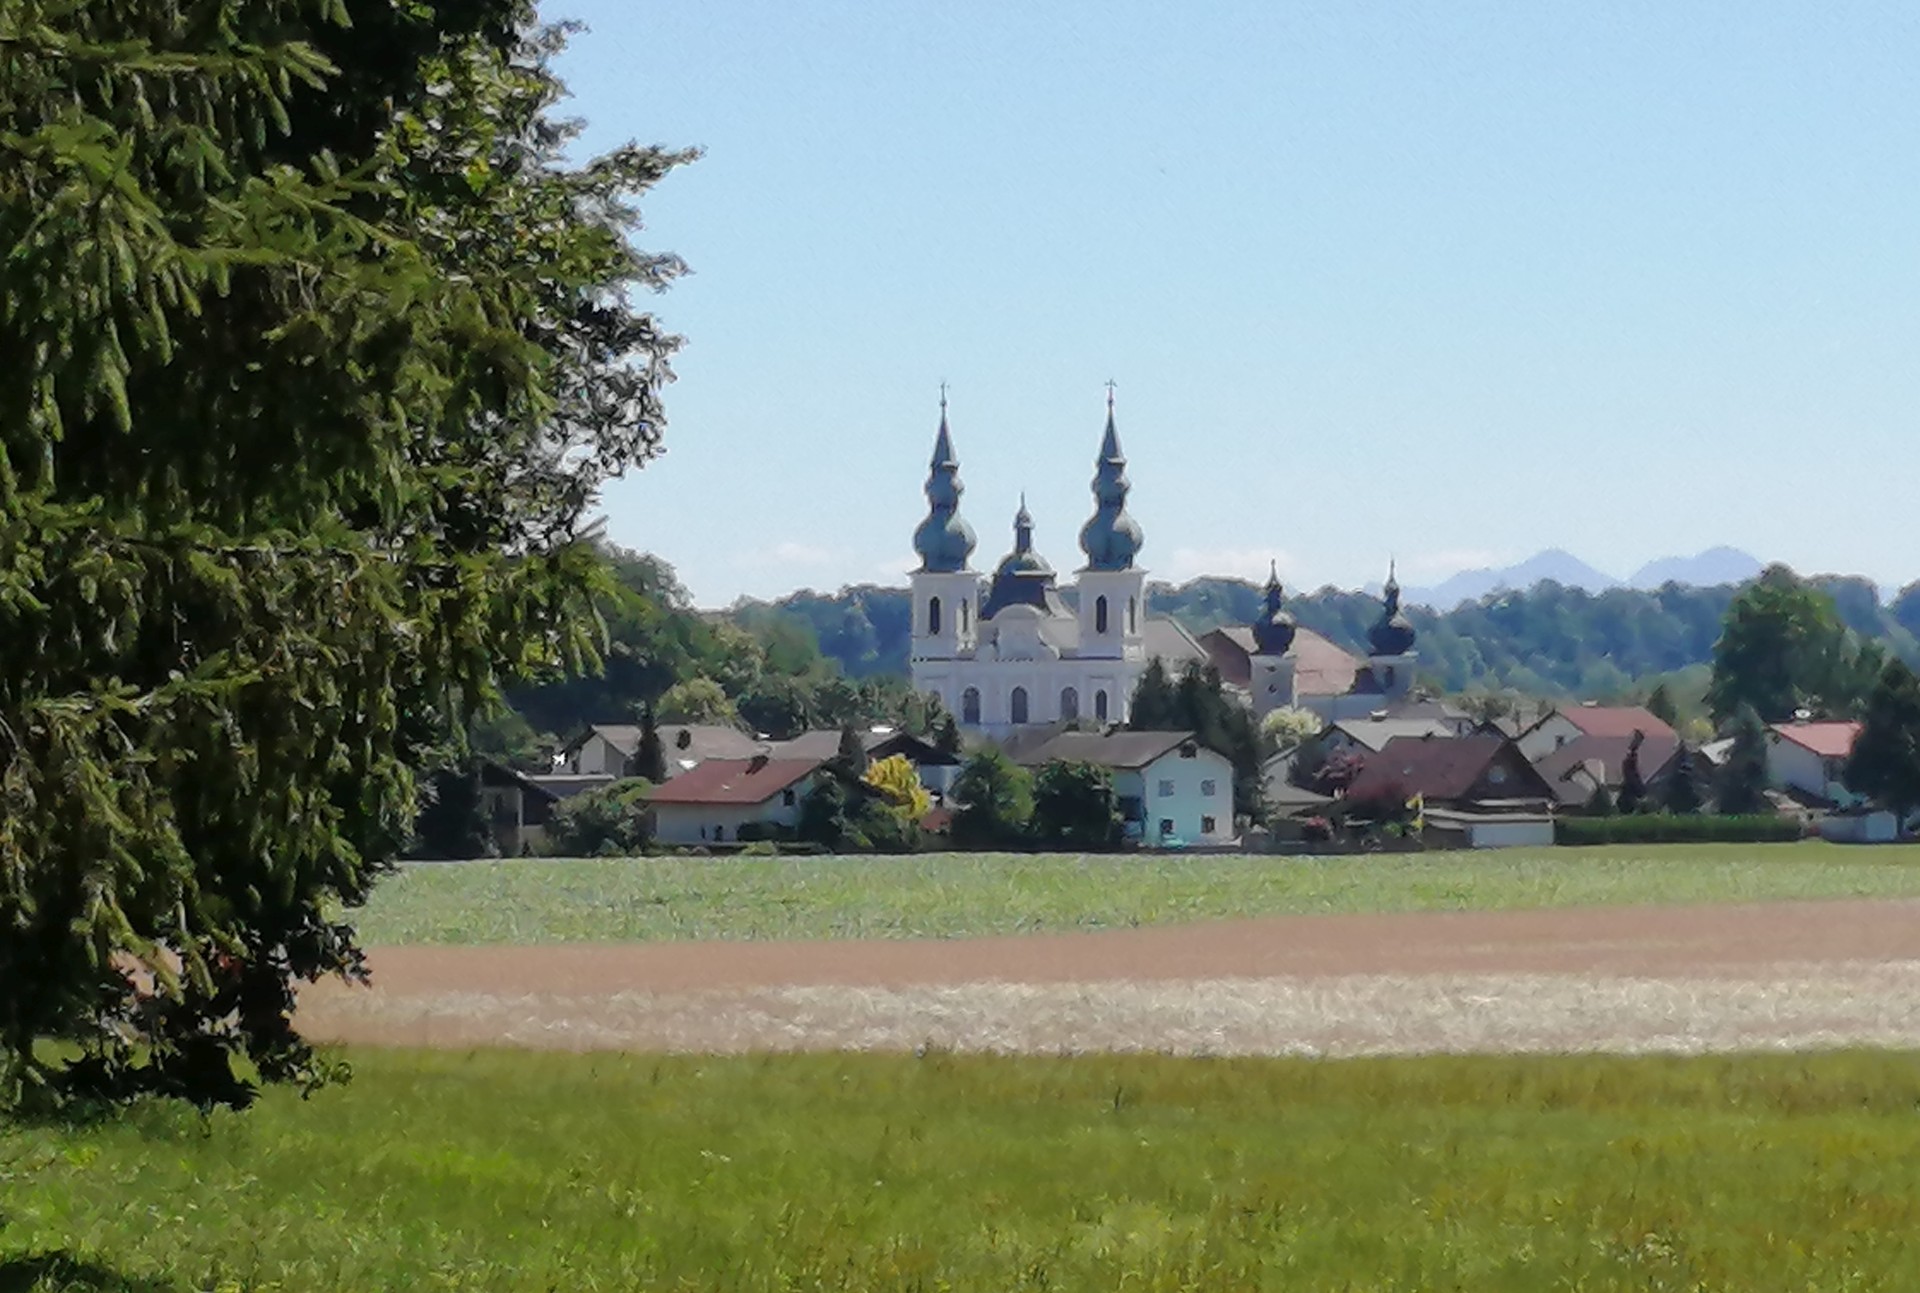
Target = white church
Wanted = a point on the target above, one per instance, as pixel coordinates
(1008, 652)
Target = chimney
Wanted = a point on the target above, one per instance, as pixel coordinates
(756, 763)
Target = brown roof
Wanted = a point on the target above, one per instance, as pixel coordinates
(1607, 754)
(1829, 740)
(685, 744)
(1617, 720)
(734, 781)
(1320, 667)
(1441, 768)
(824, 743)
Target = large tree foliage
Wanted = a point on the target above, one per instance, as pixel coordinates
(1742, 786)
(995, 798)
(316, 350)
(1074, 807)
(1784, 647)
(1197, 702)
(1885, 763)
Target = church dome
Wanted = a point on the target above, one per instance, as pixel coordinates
(944, 541)
(1274, 630)
(1393, 633)
(1023, 577)
(1111, 539)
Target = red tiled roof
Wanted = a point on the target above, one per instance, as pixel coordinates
(1829, 740)
(1617, 720)
(1320, 667)
(733, 781)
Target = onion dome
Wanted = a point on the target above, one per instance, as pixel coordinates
(1111, 539)
(1273, 631)
(1023, 577)
(1392, 634)
(943, 541)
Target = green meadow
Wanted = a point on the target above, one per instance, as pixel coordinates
(501, 1170)
(951, 895)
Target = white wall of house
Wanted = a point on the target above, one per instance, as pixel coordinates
(721, 823)
(1554, 731)
(1793, 766)
(1510, 834)
(1184, 799)
(597, 756)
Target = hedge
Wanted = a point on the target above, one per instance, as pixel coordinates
(1669, 828)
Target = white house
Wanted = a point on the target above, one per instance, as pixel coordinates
(1810, 757)
(604, 748)
(1562, 727)
(709, 804)
(1172, 790)
(1010, 653)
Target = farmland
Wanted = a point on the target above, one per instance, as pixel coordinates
(953, 895)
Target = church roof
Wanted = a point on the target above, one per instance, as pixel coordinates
(944, 541)
(1392, 633)
(1111, 539)
(1023, 577)
(1321, 667)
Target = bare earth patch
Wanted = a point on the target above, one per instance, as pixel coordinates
(1669, 979)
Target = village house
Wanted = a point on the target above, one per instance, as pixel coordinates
(1485, 772)
(604, 749)
(1808, 759)
(1563, 726)
(711, 803)
(1172, 790)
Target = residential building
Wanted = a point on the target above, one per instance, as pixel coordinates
(936, 770)
(1587, 762)
(710, 803)
(1383, 681)
(1372, 732)
(1482, 770)
(603, 749)
(1809, 759)
(1172, 789)
(1565, 724)
(1010, 652)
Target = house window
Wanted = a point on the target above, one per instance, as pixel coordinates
(1206, 825)
(1209, 787)
(1166, 789)
(1166, 827)
(1100, 705)
(1189, 751)
(1100, 615)
(719, 833)
(1017, 705)
(1497, 775)
(1069, 703)
(970, 706)
(786, 798)
(933, 616)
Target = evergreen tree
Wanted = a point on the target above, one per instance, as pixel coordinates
(995, 795)
(650, 757)
(1198, 703)
(1683, 787)
(1743, 778)
(946, 737)
(1633, 785)
(1600, 803)
(1660, 705)
(1074, 807)
(1885, 763)
(316, 349)
(1152, 708)
(850, 760)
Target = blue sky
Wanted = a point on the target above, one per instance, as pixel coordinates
(1453, 281)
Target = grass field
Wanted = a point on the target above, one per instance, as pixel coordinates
(946, 895)
(504, 1170)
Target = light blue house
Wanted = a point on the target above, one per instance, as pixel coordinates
(1173, 791)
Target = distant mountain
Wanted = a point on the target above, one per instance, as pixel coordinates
(1722, 565)
(1560, 566)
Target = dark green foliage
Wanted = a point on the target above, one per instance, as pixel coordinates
(1885, 763)
(450, 823)
(1661, 705)
(1633, 785)
(1667, 828)
(845, 815)
(1683, 783)
(1743, 776)
(1784, 647)
(1074, 807)
(1197, 702)
(649, 760)
(316, 350)
(611, 821)
(850, 759)
(1600, 803)
(995, 797)
(946, 736)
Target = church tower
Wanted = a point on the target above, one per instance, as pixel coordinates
(946, 592)
(1112, 590)
(1272, 662)
(1391, 657)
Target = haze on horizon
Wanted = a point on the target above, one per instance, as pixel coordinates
(1452, 283)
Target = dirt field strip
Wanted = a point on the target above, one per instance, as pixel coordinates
(1674, 979)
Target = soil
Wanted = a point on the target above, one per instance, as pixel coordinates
(1680, 979)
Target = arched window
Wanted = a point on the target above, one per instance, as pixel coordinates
(1133, 615)
(1389, 677)
(965, 608)
(1100, 615)
(1069, 703)
(933, 617)
(1100, 705)
(1017, 705)
(970, 706)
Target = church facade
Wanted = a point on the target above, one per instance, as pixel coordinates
(1008, 651)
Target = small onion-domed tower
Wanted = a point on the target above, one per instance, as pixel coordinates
(1271, 664)
(1392, 657)
(1023, 577)
(946, 592)
(1112, 589)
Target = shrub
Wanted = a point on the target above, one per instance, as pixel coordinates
(612, 821)
(1669, 828)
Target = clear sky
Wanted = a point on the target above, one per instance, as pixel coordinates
(1454, 281)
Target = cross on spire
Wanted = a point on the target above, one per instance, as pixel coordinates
(943, 397)
(1110, 385)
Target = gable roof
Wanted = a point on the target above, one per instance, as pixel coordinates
(1830, 739)
(686, 744)
(878, 742)
(1320, 666)
(1118, 749)
(734, 781)
(1606, 757)
(1443, 768)
(1374, 733)
(1613, 720)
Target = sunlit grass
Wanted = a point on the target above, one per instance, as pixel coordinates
(505, 1170)
(947, 895)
